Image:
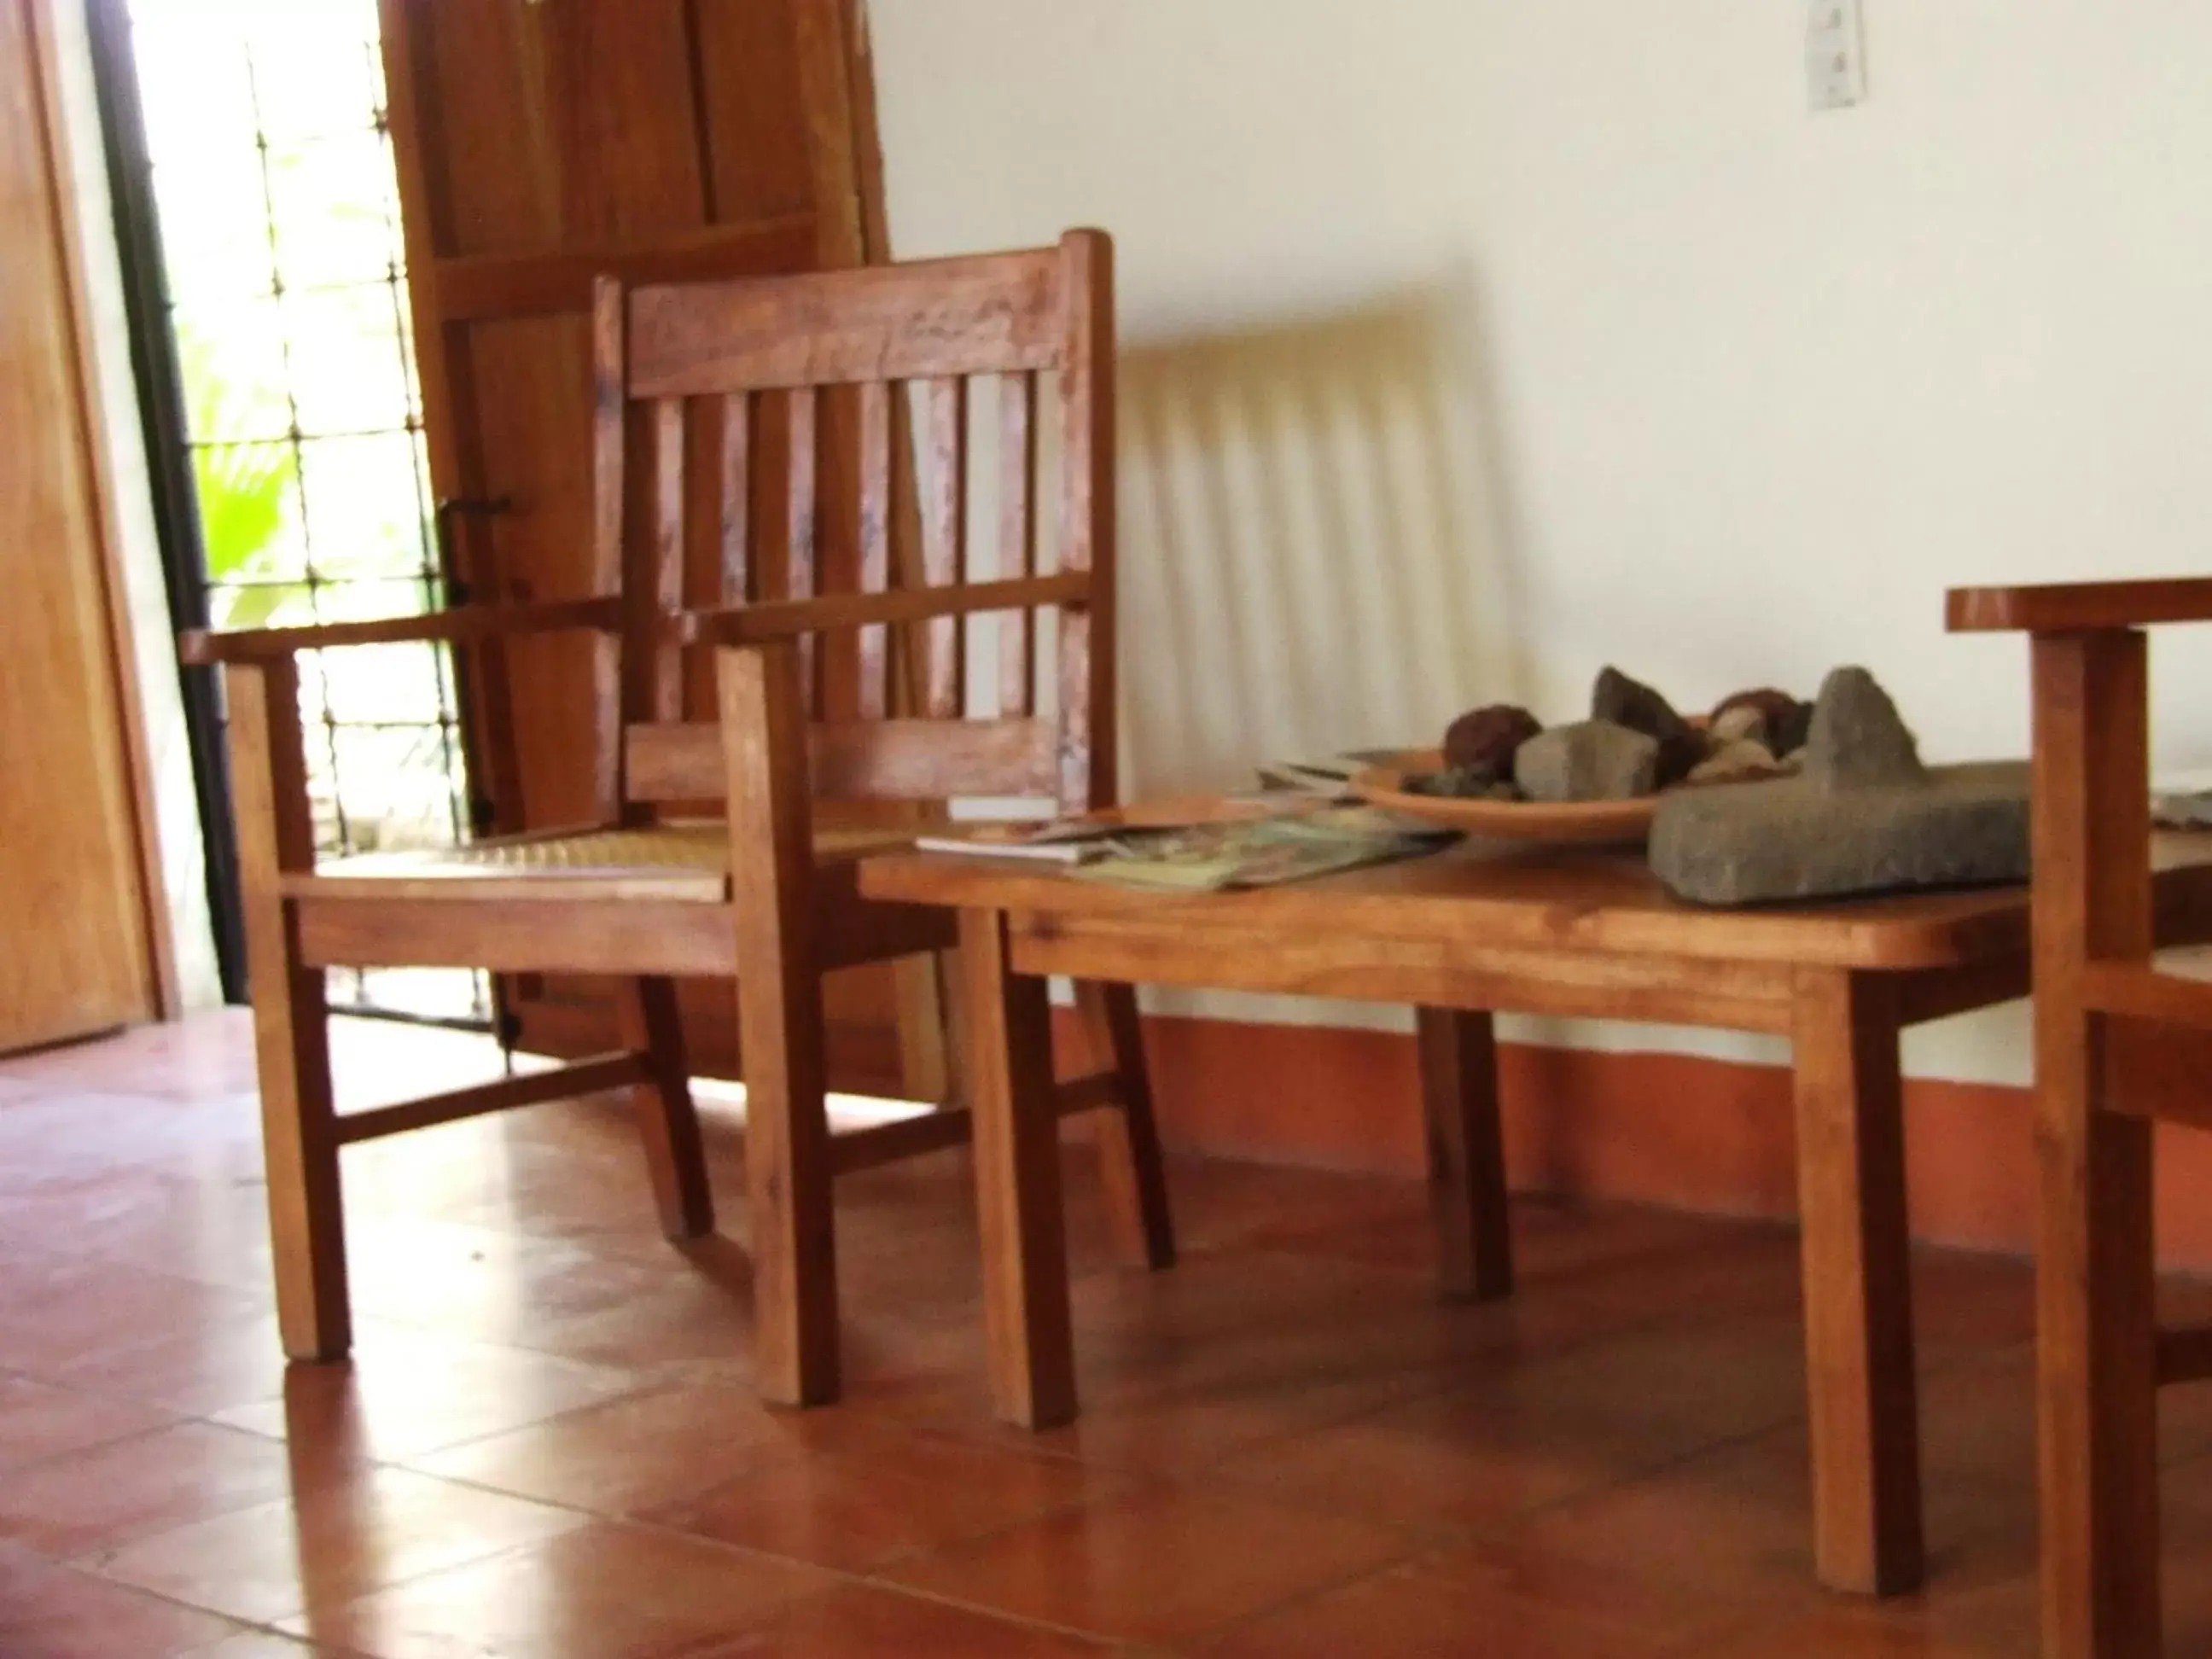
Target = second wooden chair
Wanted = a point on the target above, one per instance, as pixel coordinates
(2123, 1038)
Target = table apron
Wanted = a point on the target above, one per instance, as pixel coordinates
(1428, 973)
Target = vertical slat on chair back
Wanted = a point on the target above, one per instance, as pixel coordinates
(614, 695)
(877, 504)
(943, 539)
(867, 378)
(735, 487)
(1018, 538)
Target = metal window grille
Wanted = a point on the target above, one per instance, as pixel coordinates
(272, 175)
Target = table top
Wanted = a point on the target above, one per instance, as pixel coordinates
(1521, 895)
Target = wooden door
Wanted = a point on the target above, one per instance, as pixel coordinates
(80, 948)
(542, 142)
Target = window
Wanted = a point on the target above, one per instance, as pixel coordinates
(268, 168)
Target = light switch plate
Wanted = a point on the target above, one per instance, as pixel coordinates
(1835, 54)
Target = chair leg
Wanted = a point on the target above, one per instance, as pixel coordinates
(2096, 1342)
(307, 1216)
(666, 1119)
(291, 1018)
(2096, 1252)
(1130, 1158)
(780, 1030)
(788, 1186)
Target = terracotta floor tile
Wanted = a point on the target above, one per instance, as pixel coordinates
(67, 1320)
(330, 1546)
(604, 1592)
(1406, 1613)
(208, 1054)
(1738, 1272)
(1558, 1243)
(495, 1284)
(654, 1306)
(201, 1228)
(914, 1363)
(869, 1623)
(66, 1506)
(1179, 1371)
(14, 1088)
(643, 1451)
(202, 1373)
(37, 1420)
(1225, 1207)
(1518, 1572)
(1161, 1566)
(1736, 1518)
(1972, 1302)
(569, 1169)
(404, 1393)
(1850, 1633)
(266, 1645)
(48, 1612)
(872, 1498)
(1537, 1434)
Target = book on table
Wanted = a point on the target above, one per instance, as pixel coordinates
(1053, 841)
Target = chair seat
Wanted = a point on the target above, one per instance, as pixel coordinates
(673, 861)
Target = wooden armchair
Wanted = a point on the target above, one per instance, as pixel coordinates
(2114, 1033)
(764, 896)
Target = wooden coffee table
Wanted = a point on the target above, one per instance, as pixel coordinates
(1485, 928)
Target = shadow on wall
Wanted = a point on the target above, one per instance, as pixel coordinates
(1317, 539)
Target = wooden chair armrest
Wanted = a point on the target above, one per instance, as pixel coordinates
(2078, 607)
(468, 622)
(786, 619)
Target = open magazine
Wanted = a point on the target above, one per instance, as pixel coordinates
(1329, 776)
(1205, 844)
(1264, 851)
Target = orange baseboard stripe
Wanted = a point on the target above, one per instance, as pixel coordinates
(1699, 1134)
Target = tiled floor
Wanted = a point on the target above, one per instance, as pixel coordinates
(548, 1448)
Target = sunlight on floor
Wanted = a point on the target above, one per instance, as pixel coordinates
(363, 1063)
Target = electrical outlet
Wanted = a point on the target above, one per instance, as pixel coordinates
(1835, 54)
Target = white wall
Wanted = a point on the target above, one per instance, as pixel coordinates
(1470, 344)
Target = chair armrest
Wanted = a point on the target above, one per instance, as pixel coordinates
(481, 621)
(2077, 607)
(785, 619)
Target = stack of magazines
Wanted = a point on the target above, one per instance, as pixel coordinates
(1242, 848)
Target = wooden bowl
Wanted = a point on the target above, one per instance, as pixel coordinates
(1592, 821)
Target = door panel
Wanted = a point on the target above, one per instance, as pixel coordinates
(539, 144)
(77, 955)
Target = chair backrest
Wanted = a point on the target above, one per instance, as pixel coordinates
(752, 438)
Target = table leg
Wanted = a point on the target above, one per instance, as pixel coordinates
(1467, 1153)
(1130, 1163)
(1017, 1144)
(1859, 1285)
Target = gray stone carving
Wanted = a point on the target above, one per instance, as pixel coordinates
(1864, 815)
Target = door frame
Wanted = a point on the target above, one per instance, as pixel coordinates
(159, 382)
